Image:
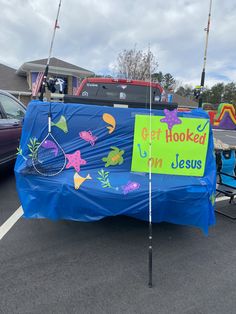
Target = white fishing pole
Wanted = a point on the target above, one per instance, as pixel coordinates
(150, 178)
(43, 86)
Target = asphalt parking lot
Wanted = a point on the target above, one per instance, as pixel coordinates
(101, 267)
(226, 136)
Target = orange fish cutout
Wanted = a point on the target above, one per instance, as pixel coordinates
(78, 180)
(108, 118)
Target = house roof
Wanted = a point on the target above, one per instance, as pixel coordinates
(56, 66)
(9, 81)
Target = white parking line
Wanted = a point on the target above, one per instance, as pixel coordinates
(230, 136)
(9, 223)
(222, 198)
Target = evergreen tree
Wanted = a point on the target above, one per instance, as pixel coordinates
(158, 77)
(217, 92)
(230, 93)
(185, 91)
(168, 82)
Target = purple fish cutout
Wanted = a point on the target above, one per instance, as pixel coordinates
(130, 186)
(50, 145)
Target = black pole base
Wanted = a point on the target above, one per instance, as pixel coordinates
(150, 265)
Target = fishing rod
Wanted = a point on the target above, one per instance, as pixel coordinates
(207, 29)
(150, 181)
(44, 81)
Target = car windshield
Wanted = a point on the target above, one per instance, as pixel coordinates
(11, 108)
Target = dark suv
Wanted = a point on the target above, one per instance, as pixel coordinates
(12, 112)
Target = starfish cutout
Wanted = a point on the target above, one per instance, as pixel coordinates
(171, 118)
(75, 160)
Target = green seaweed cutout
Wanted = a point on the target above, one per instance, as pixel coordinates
(104, 178)
(212, 198)
(33, 146)
(20, 152)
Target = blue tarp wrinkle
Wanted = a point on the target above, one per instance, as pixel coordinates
(97, 181)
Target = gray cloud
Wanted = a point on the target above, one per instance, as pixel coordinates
(93, 32)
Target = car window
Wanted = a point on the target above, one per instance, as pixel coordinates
(89, 90)
(12, 108)
(127, 92)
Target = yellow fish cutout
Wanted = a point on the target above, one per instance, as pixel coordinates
(78, 180)
(61, 124)
(110, 120)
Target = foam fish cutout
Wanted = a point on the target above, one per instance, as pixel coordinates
(88, 137)
(61, 124)
(78, 180)
(130, 186)
(47, 144)
(110, 120)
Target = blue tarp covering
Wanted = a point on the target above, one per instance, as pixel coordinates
(112, 190)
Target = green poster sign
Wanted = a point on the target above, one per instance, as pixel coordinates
(177, 148)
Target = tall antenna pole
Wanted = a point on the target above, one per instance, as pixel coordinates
(43, 86)
(150, 179)
(207, 29)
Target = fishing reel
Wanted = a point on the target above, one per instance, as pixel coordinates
(198, 90)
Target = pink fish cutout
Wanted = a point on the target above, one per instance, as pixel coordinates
(88, 137)
(75, 160)
(130, 186)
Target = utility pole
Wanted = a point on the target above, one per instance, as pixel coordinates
(207, 29)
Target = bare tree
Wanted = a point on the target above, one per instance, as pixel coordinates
(135, 64)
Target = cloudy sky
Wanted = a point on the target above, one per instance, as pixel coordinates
(93, 32)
